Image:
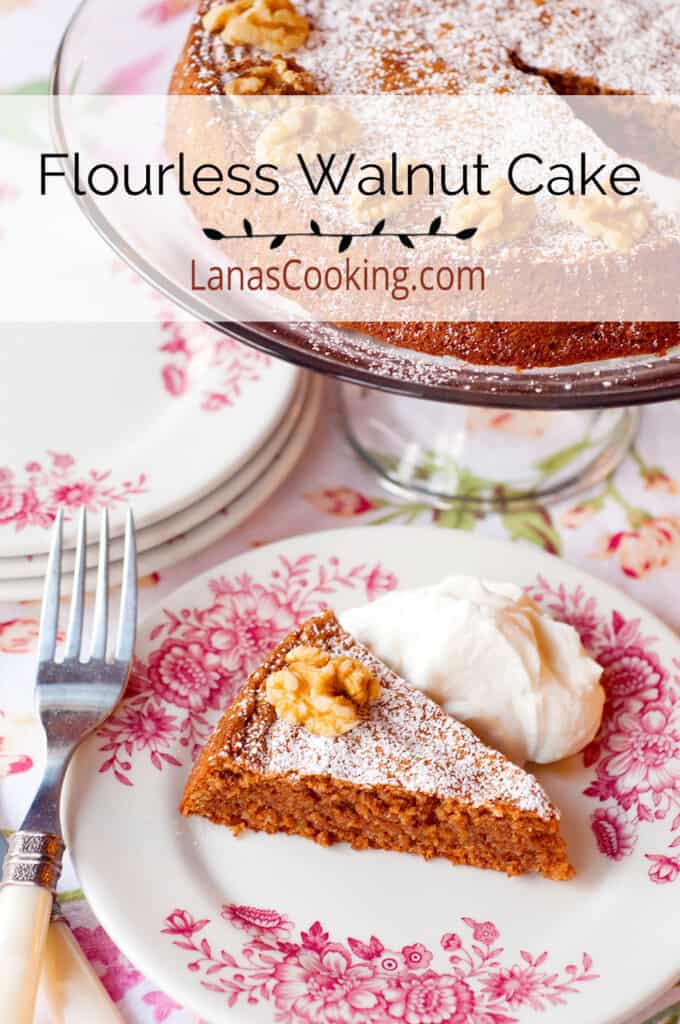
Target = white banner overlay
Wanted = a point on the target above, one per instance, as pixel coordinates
(339, 209)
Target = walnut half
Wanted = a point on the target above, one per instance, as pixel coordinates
(327, 695)
(273, 25)
(281, 76)
(306, 128)
(619, 222)
(501, 216)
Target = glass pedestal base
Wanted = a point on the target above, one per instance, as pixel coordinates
(483, 457)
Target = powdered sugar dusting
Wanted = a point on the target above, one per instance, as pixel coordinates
(625, 46)
(419, 46)
(470, 45)
(407, 741)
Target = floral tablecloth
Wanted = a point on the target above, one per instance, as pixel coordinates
(627, 531)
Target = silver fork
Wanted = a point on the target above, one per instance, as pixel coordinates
(73, 697)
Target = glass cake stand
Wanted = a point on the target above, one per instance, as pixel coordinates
(437, 428)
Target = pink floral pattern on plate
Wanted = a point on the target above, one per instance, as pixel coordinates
(32, 499)
(636, 754)
(308, 976)
(18, 636)
(202, 656)
(196, 353)
(12, 760)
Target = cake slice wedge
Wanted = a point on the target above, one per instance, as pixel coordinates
(405, 777)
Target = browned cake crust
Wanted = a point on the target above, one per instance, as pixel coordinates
(525, 345)
(230, 783)
(518, 344)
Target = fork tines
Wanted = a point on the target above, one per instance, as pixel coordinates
(73, 647)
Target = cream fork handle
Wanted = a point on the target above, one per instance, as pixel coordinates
(72, 989)
(24, 919)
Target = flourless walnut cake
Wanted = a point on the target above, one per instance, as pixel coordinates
(325, 741)
(462, 46)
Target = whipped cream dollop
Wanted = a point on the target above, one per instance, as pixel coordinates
(492, 659)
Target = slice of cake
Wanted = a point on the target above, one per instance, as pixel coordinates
(325, 741)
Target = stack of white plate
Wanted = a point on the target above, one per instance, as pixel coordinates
(191, 429)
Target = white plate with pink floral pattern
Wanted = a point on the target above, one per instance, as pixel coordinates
(155, 415)
(275, 928)
(34, 567)
(228, 511)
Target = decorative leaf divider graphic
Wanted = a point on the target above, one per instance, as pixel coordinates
(346, 238)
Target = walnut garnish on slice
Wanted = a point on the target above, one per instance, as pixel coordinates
(501, 216)
(327, 695)
(273, 25)
(620, 222)
(281, 76)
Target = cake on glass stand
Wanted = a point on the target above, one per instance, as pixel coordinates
(419, 420)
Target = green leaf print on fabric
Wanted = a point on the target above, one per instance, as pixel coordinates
(561, 459)
(534, 525)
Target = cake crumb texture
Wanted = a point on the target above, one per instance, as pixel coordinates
(407, 778)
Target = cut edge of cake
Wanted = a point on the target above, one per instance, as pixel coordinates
(408, 777)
